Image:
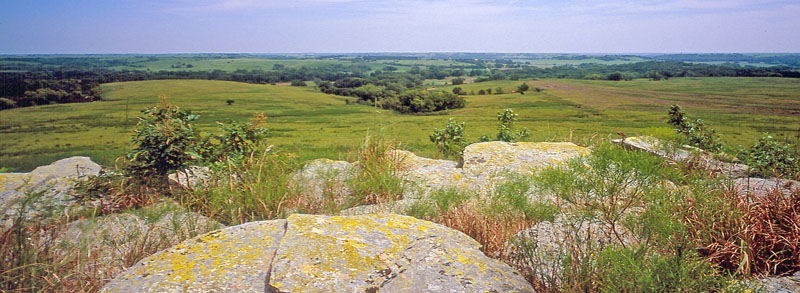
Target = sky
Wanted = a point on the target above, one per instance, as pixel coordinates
(356, 26)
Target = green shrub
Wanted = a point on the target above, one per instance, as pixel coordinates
(507, 132)
(696, 132)
(511, 198)
(450, 140)
(770, 157)
(165, 140)
(237, 139)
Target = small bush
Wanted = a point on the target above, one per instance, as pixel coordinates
(770, 157)
(695, 131)
(506, 129)
(450, 140)
(298, 82)
(165, 140)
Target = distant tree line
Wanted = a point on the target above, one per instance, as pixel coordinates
(29, 81)
(401, 92)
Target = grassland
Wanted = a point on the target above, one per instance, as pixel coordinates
(312, 125)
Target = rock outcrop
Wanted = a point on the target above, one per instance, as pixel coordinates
(51, 185)
(762, 186)
(485, 165)
(689, 154)
(307, 253)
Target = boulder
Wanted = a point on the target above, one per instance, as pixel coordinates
(190, 178)
(786, 284)
(309, 253)
(542, 248)
(117, 241)
(687, 154)
(519, 157)
(761, 186)
(51, 187)
(324, 176)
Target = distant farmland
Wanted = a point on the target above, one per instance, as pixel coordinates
(312, 124)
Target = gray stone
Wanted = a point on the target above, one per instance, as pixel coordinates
(190, 178)
(45, 189)
(787, 284)
(761, 186)
(324, 176)
(308, 253)
(519, 157)
(687, 154)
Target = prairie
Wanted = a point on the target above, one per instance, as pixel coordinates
(312, 124)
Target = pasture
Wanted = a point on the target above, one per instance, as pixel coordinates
(311, 124)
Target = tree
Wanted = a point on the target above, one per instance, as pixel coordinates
(522, 88)
(616, 76)
(459, 91)
(458, 81)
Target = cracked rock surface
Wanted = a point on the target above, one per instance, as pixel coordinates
(311, 253)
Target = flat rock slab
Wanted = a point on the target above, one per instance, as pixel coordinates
(232, 259)
(762, 186)
(519, 157)
(681, 154)
(310, 253)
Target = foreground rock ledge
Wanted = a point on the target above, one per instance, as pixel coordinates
(309, 253)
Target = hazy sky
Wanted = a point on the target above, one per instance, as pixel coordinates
(249, 26)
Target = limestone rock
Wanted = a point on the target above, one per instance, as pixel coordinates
(520, 156)
(308, 253)
(787, 284)
(541, 248)
(190, 178)
(324, 176)
(116, 241)
(761, 186)
(689, 154)
(52, 184)
(232, 259)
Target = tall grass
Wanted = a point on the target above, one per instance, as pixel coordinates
(251, 189)
(58, 254)
(376, 179)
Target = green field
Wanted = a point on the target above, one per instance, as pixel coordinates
(312, 125)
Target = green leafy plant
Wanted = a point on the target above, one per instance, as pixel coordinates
(165, 140)
(450, 140)
(770, 157)
(695, 131)
(506, 129)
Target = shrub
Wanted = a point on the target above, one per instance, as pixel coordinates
(298, 82)
(165, 140)
(237, 139)
(450, 140)
(507, 132)
(769, 157)
(696, 132)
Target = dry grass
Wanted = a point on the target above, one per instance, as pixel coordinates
(750, 234)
